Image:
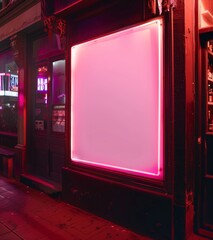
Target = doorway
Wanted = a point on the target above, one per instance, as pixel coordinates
(47, 152)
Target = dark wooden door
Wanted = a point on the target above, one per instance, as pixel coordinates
(48, 134)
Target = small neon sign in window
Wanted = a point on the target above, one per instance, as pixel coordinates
(41, 84)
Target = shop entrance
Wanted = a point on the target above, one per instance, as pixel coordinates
(205, 184)
(48, 116)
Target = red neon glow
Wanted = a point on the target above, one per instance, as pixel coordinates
(21, 100)
(117, 101)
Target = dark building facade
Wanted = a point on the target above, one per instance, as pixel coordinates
(109, 103)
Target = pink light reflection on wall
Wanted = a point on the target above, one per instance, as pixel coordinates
(117, 102)
(21, 100)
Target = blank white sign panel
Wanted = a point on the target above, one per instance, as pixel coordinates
(117, 101)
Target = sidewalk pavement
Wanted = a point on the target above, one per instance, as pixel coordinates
(28, 214)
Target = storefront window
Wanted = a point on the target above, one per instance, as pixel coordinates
(8, 93)
(58, 86)
(58, 96)
(117, 101)
(205, 13)
(50, 97)
(41, 111)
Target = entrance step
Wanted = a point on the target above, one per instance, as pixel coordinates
(49, 187)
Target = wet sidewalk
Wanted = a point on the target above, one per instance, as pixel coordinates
(28, 214)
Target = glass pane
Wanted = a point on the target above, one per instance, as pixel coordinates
(205, 13)
(41, 94)
(58, 118)
(58, 82)
(8, 93)
(41, 111)
(117, 101)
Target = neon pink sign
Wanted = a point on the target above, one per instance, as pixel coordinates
(117, 101)
(41, 84)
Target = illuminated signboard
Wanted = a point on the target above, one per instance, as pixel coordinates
(8, 84)
(13, 82)
(117, 101)
(41, 84)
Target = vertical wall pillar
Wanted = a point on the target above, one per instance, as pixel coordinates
(19, 50)
(184, 152)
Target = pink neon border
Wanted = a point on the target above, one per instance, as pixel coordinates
(160, 172)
